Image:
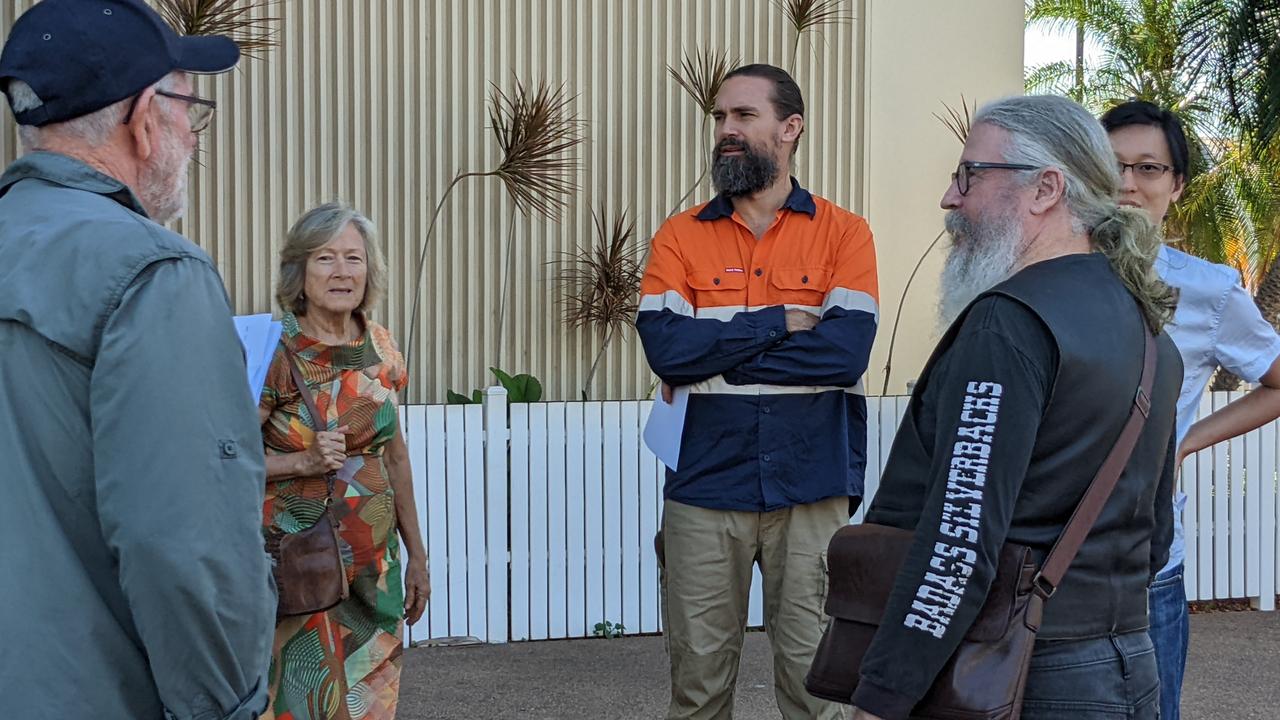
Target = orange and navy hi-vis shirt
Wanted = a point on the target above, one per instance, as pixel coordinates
(775, 419)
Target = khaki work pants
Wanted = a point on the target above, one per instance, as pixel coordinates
(707, 557)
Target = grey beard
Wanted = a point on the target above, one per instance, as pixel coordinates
(981, 257)
(743, 175)
(162, 184)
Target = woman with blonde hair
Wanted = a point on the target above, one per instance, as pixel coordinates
(343, 662)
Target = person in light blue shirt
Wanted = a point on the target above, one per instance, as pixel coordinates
(1216, 325)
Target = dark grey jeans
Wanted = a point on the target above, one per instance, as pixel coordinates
(1099, 679)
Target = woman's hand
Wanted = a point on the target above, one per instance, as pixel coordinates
(327, 453)
(417, 590)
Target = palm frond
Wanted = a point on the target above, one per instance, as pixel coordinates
(1054, 78)
(1103, 20)
(600, 284)
(537, 130)
(1200, 27)
(959, 122)
(1250, 69)
(808, 14)
(1230, 209)
(702, 74)
(239, 20)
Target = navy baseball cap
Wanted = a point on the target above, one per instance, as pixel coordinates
(80, 56)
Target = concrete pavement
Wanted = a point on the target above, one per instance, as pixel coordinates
(1233, 673)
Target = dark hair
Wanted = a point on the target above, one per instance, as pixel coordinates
(1141, 112)
(786, 97)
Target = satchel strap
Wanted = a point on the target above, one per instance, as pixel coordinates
(1086, 513)
(309, 400)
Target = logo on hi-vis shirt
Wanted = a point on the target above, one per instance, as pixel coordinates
(953, 558)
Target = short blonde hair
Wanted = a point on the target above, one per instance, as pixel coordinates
(315, 229)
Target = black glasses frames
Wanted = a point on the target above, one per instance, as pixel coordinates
(199, 110)
(964, 171)
(1147, 169)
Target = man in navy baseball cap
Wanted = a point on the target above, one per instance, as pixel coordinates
(133, 455)
(79, 56)
(108, 82)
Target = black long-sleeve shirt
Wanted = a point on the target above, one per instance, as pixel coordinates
(990, 451)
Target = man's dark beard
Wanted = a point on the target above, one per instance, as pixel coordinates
(740, 175)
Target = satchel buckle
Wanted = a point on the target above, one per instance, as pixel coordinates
(1042, 587)
(1143, 403)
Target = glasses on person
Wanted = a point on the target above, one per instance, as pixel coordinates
(199, 110)
(1145, 170)
(964, 172)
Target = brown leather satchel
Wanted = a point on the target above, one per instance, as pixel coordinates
(985, 678)
(307, 564)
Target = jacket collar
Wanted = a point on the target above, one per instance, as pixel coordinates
(68, 172)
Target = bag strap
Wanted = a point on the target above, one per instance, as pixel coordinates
(1086, 513)
(309, 400)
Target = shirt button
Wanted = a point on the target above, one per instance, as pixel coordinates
(765, 458)
(716, 281)
(759, 272)
(773, 333)
(804, 279)
(767, 410)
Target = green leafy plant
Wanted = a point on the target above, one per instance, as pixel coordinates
(608, 630)
(522, 388)
(453, 398)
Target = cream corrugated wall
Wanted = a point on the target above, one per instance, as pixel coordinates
(381, 102)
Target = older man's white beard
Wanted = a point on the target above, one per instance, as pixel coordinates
(981, 257)
(162, 185)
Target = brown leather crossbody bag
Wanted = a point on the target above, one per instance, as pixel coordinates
(985, 677)
(307, 565)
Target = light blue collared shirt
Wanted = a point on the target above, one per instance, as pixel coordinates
(1217, 323)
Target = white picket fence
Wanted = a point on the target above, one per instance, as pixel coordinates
(539, 518)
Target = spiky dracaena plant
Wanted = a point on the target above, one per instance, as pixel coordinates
(240, 20)
(806, 15)
(537, 130)
(600, 284)
(701, 76)
(959, 122)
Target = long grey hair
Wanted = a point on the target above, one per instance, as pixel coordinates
(1048, 131)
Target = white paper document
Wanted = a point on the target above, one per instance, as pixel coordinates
(259, 335)
(665, 426)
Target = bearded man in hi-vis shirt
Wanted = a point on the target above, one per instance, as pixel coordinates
(763, 302)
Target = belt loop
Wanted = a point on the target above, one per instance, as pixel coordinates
(1124, 659)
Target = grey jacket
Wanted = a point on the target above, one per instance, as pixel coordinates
(133, 582)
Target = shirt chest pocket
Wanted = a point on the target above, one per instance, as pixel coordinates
(718, 289)
(799, 286)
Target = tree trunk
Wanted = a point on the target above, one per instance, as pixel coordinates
(1079, 61)
(1268, 296)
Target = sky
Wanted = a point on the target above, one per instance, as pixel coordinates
(1044, 46)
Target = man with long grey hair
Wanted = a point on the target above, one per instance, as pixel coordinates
(136, 585)
(1049, 295)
